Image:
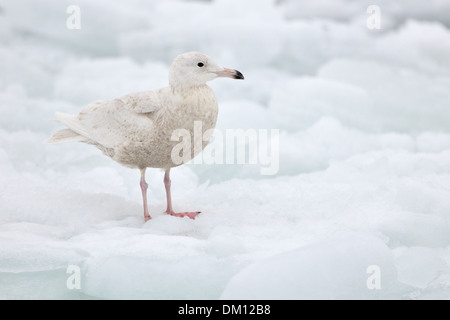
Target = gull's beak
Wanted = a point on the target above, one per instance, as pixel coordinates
(230, 73)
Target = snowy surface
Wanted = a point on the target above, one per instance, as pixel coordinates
(364, 177)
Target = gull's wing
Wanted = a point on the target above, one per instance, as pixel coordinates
(146, 101)
(115, 121)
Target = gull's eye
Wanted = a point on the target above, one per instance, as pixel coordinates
(200, 64)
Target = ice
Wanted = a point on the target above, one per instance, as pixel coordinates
(338, 268)
(364, 153)
(419, 266)
(107, 78)
(344, 10)
(343, 101)
(404, 108)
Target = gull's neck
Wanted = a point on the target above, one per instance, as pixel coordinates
(187, 89)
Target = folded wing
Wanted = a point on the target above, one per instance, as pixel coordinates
(114, 121)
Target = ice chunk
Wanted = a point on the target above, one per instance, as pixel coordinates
(339, 268)
(418, 266)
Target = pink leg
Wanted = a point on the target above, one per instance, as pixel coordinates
(144, 187)
(169, 210)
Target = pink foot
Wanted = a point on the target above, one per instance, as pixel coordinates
(191, 215)
(146, 218)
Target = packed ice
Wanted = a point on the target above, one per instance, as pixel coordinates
(359, 207)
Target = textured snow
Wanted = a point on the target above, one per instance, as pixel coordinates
(364, 174)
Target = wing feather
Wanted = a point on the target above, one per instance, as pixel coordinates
(114, 121)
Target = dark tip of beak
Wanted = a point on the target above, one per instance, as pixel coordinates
(238, 75)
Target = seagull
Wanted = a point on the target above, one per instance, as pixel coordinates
(136, 130)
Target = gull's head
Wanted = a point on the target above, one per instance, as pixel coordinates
(195, 68)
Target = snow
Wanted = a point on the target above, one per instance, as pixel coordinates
(364, 150)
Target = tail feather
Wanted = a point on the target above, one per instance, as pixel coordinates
(75, 132)
(72, 122)
(65, 135)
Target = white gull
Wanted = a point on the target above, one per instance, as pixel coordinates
(135, 130)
